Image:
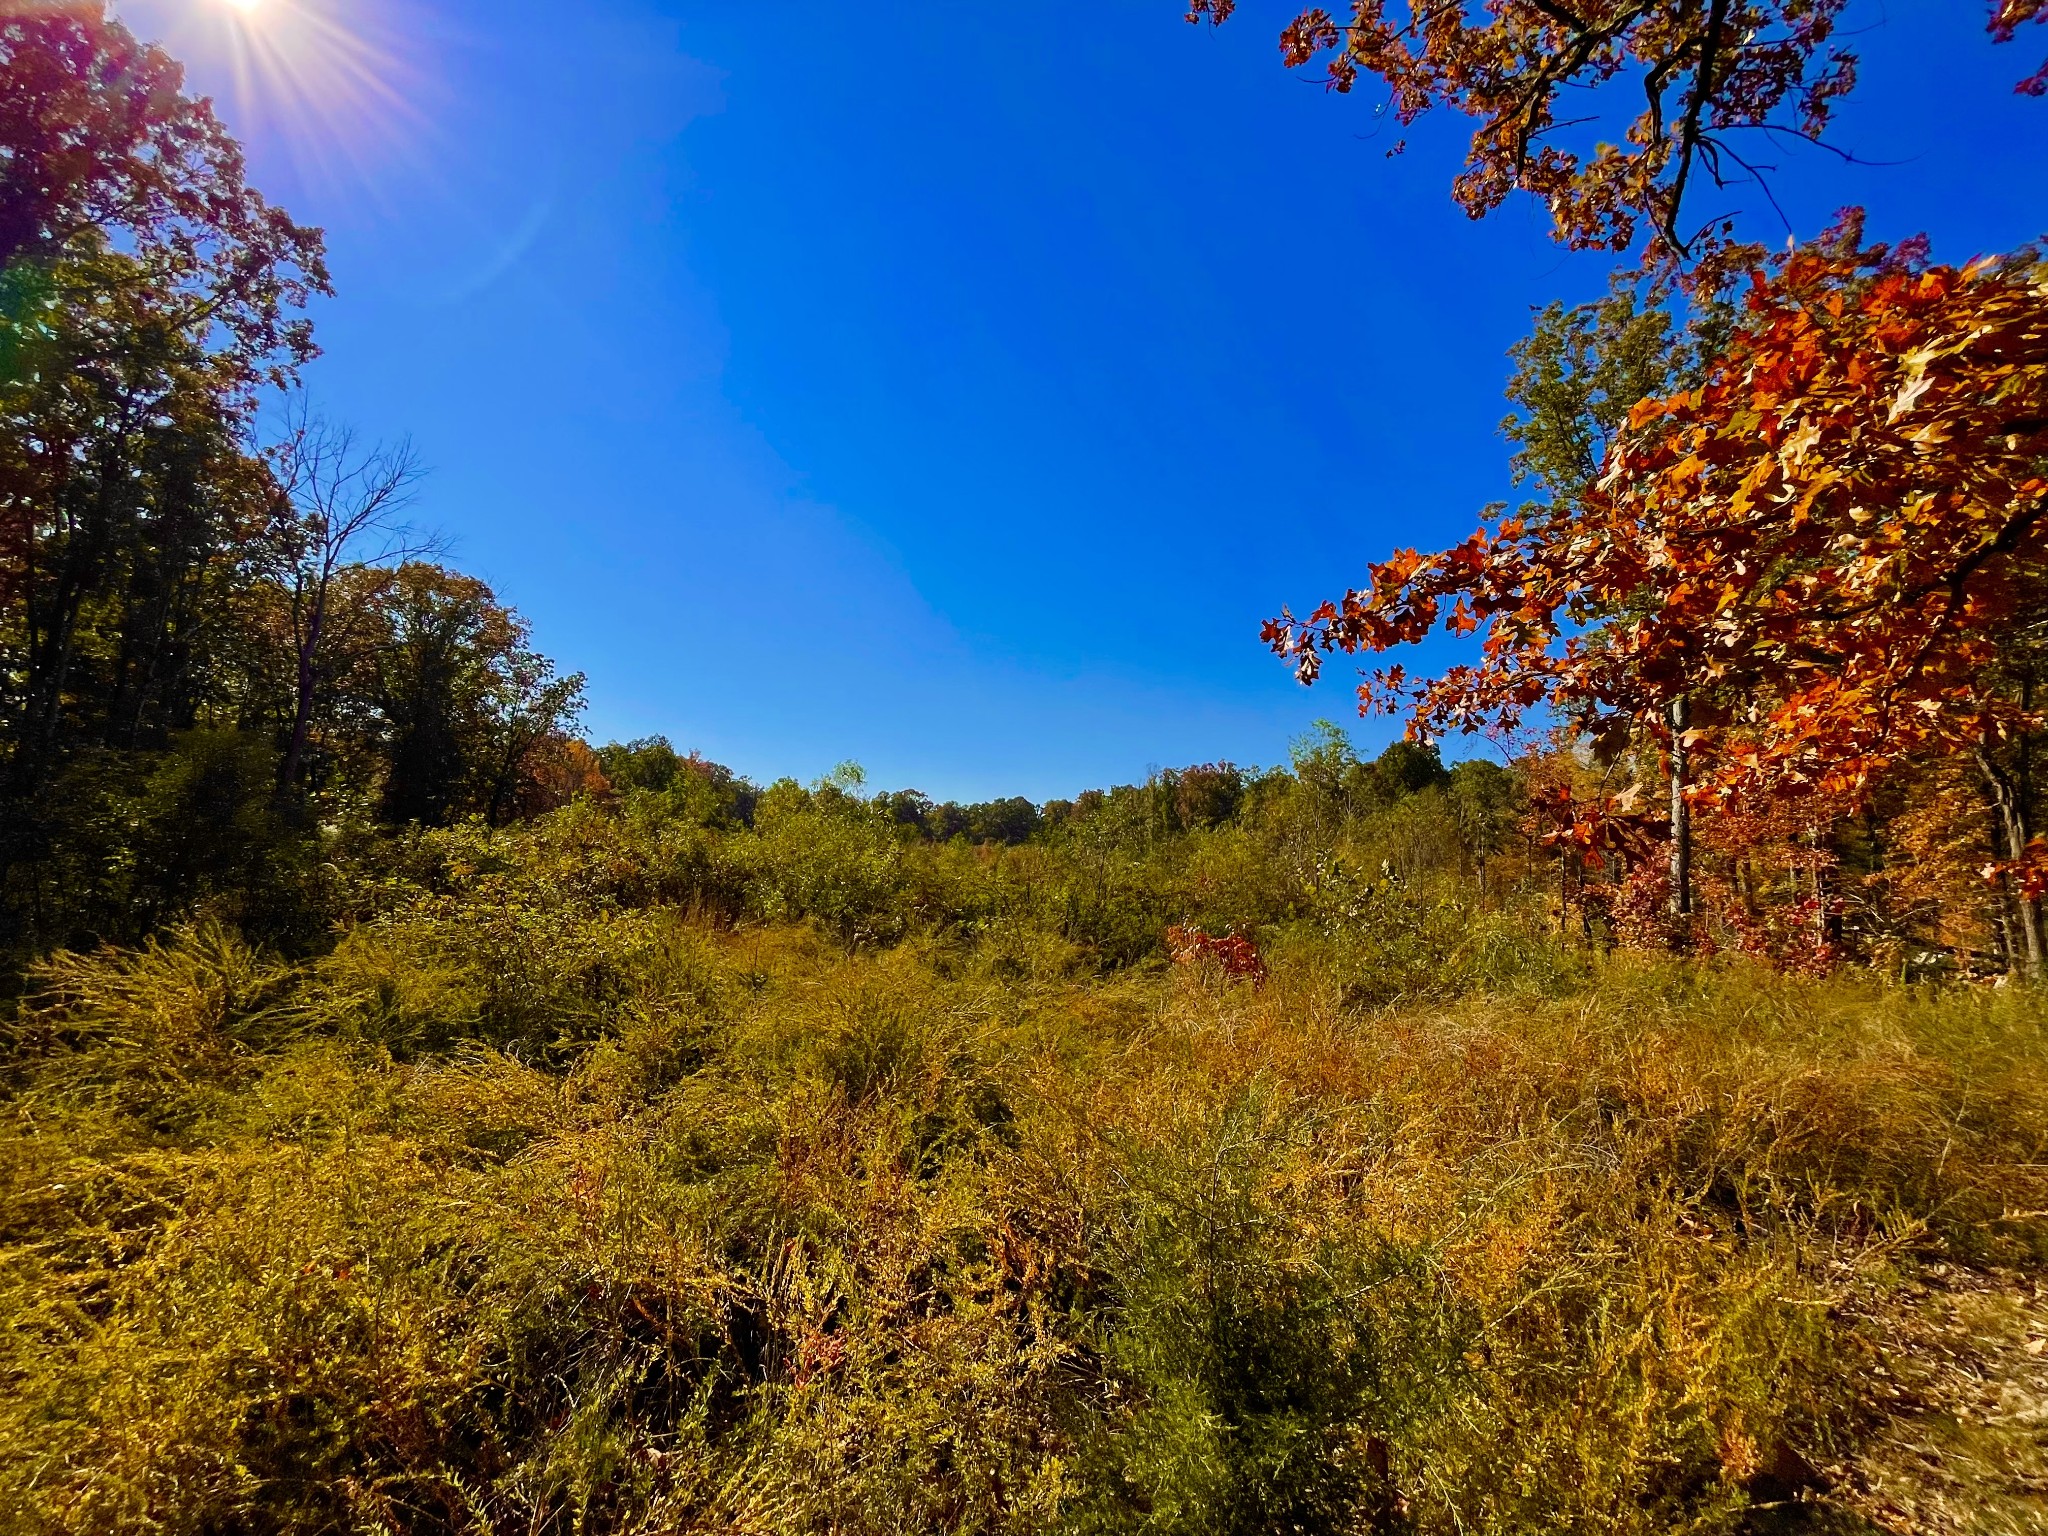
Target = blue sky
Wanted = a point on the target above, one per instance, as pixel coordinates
(952, 389)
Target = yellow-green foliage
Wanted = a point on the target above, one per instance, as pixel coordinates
(557, 1218)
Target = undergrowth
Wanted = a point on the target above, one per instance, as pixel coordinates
(500, 1218)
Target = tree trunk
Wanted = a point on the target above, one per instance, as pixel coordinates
(302, 709)
(1681, 817)
(2009, 821)
(2008, 946)
(1820, 892)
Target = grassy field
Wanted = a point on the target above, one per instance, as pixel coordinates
(624, 1221)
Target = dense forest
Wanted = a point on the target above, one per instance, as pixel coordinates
(415, 1117)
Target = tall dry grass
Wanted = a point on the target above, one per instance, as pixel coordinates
(575, 1220)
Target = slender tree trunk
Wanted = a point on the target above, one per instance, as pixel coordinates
(1820, 892)
(86, 549)
(501, 791)
(1564, 900)
(2008, 945)
(1384, 1499)
(1681, 815)
(2010, 823)
(32, 763)
(302, 709)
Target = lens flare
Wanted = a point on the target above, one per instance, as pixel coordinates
(327, 83)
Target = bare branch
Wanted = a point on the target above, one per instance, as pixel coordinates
(337, 507)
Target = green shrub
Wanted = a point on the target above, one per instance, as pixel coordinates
(1265, 1347)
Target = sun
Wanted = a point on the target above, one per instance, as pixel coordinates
(329, 84)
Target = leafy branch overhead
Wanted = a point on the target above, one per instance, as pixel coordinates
(1710, 84)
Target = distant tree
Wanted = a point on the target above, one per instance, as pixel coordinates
(1407, 767)
(1343, 786)
(556, 771)
(1487, 800)
(1328, 768)
(687, 785)
(1009, 821)
(527, 708)
(1207, 794)
(461, 696)
(713, 794)
(783, 800)
(335, 510)
(648, 763)
(437, 629)
(908, 808)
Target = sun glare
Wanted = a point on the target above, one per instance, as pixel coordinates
(328, 83)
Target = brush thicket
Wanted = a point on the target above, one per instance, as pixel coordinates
(566, 1218)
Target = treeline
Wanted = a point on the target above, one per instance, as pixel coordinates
(1415, 877)
(1574, 843)
(1171, 800)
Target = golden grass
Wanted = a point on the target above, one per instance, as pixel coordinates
(513, 1220)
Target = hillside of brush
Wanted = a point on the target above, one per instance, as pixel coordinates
(623, 1171)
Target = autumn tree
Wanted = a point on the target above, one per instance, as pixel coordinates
(2007, 17)
(104, 152)
(1829, 546)
(188, 622)
(1577, 376)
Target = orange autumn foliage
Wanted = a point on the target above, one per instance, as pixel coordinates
(556, 770)
(1237, 956)
(1821, 547)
